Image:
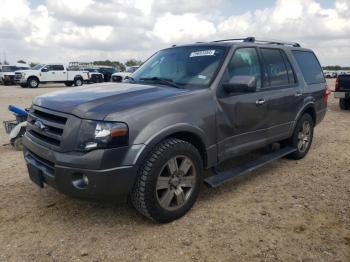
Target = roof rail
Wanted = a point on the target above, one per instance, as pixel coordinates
(254, 40)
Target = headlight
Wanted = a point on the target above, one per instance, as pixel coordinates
(94, 135)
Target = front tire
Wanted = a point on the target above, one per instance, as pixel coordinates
(33, 82)
(168, 183)
(344, 103)
(302, 137)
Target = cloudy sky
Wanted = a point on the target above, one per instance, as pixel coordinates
(87, 30)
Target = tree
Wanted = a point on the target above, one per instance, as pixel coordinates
(120, 66)
(21, 62)
(33, 64)
(133, 62)
(6, 63)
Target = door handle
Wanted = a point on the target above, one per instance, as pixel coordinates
(298, 93)
(53, 73)
(260, 102)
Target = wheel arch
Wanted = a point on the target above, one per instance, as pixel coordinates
(308, 108)
(186, 133)
(33, 76)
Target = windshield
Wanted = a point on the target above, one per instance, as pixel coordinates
(192, 66)
(9, 68)
(132, 69)
(37, 67)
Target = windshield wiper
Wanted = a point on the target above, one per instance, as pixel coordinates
(165, 81)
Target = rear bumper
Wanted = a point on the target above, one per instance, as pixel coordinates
(102, 183)
(342, 94)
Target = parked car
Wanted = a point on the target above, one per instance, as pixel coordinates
(107, 72)
(121, 76)
(7, 73)
(93, 75)
(186, 109)
(50, 73)
(342, 91)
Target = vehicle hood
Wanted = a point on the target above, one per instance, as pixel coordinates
(121, 74)
(8, 73)
(96, 102)
(27, 71)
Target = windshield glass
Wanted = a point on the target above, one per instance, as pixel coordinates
(192, 66)
(9, 68)
(37, 67)
(132, 69)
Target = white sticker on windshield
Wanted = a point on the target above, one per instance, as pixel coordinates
(203, 53)
(202, 77)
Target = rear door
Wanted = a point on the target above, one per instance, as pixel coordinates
(284, 95)
(313, 80)
(58, 73)
(241, 118)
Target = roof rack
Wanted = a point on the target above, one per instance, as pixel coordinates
(254, 40)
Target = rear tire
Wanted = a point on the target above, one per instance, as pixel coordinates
(78, 81)
(344, 104)
(302, 137)
(168, 183)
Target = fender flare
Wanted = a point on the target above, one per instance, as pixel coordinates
(167, 132)
(301, 112)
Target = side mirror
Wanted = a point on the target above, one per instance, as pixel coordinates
(45, 69)
(241, 84)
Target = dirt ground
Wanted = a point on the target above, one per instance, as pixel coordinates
(286, 211)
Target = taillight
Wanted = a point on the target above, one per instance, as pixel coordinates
(337, 84)
(326, 94)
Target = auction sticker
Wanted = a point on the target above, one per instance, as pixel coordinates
(203, 53)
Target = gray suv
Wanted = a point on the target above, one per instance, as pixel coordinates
(186, 109)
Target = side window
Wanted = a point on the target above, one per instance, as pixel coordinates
(309, 66)
(47, 67)
(245, 62)
(275, 68)
(57, 67)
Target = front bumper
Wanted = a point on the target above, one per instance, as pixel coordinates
(340, 94)
(46, 166)
(8, 79)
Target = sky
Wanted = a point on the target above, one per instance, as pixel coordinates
(89, 30)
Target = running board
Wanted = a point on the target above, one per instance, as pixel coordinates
(221, 177)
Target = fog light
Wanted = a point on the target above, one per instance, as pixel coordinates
(85, 179)
(80, 181)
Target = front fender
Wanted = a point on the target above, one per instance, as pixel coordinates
(158, 130)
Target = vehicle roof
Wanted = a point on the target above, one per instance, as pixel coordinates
(244, 42)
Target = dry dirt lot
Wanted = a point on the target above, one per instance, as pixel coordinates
(286, 211)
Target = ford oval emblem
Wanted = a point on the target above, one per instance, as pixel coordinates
(40, 125)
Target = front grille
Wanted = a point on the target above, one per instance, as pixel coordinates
(117, 79)
(18, 76)
(46, 126)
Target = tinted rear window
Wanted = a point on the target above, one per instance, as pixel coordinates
(309, 66)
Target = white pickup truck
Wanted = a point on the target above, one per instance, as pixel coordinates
(50, 73)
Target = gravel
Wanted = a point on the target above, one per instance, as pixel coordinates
(286, 211)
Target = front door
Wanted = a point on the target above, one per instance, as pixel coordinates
(241, 117)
